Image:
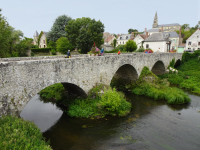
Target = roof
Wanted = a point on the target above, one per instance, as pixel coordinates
(168, 25)
(143, 36)
(156, 37)
(109, 38)
(36, 34)
(123, 37)
(192, 34)
(171, 34)
(154, 30)
(46, 33)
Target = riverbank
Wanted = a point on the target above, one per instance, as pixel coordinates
(188, 76)
(17, 133)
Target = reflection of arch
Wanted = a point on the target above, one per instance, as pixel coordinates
(158, 68)
(126, 72)
(74, 90)
(178, 62)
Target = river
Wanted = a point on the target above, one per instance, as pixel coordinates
(151, 125)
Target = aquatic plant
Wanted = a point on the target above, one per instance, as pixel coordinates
(17, 133)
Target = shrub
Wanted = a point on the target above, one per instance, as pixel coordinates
(32, 54)
(14, 54)
(130, 46)
(53, 52)
(63, 45)
(40, 50)
(140, 50)
(17, 133)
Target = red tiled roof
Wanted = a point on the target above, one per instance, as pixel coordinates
(143, 36)
(109, 38)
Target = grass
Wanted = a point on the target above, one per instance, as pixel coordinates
(17, 133)
(188, 76)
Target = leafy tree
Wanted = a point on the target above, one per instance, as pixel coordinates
(114, 43)
(121, 47)
(63, 45)
(184, 26)
(52, 44)
(83, 32)
(130, 46)
(58, 28)
(132, 30)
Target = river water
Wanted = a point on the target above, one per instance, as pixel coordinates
(151, 125)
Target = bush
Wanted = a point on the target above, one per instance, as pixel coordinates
(113, 51)
(40, 50)
(140, 50)
(63, 45)
(14, 54)
(34, 46)
(32, 54)
(17, 133)
(53, 52)
(130, 46)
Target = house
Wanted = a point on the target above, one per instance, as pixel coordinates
(158, 42)
(139, 39)
(193, 42)
(166, 27)
(121, 40)
(110, 39)
(43, 39)
(174, 38)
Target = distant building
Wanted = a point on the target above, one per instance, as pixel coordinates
(166, 27)
(43, 41)
(121, 40)
(193, 42)
(139, 39)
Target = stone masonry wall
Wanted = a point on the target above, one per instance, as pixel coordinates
(23, 78)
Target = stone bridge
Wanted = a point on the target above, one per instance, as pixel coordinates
(22, 78)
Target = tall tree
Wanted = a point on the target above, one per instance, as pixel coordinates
(58, 28)
(184, 26)
(114, 43)
(63, 45)
(83, 32)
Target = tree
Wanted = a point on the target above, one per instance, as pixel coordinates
(114, 43)
(58, 28)
(184, 26)
(63, 45)
(132, 30)
(83, 32)
(130, 46)
(52, 44)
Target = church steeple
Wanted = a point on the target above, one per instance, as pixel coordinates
(155, 22)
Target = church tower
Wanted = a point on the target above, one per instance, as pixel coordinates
(36, 35)
(155, 22)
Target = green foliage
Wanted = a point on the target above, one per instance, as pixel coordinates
(113, 51)
(188, 76)
(158, 89)
(52, 44)
(172, 63)
(140, 50)
(186, 34)
(17, 133)
(32, 54)
(130, 46)
(42, 50)
(114, 43)
(58, 29)
(121, 47)
(34, 46)
(53, 52)
(132, 30)
(110, 103)
(63, 45)
(55, 92)
(38, 40)
(83, 32)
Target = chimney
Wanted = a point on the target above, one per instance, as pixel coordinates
(145, 29)
(162, 29)
(147, 34)
(180, 32)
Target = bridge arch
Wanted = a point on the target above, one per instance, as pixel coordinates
(177, 63)
(158, 68)
(127, 73)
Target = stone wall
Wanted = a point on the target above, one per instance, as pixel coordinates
(22, 78)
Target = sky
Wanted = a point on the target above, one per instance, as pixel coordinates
(117, 15)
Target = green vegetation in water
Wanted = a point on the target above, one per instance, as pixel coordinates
(102, 101)
(17, 133)
(188, 76)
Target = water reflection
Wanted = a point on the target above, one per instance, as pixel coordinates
(150, 125)
(44, 115)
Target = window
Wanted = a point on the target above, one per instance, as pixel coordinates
(120, 42)
(198, 48)
(197, 36)
(198, 43)
(40, 46)
(123, 42)
(189, 43)
(120, 38)
(189, 48)
(147, 45)
(126, 37)
(44, 41)
(193, 49)
(44, 46)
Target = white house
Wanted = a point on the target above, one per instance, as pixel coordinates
(138, 40)
(43, 39)
(158, 42)
(121, 40)
(193, 42)
(176, 40)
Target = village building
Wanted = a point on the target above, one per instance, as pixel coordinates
(166, 27)
(121, 40)
(193, 42)
(43, 39)
(139, 39)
